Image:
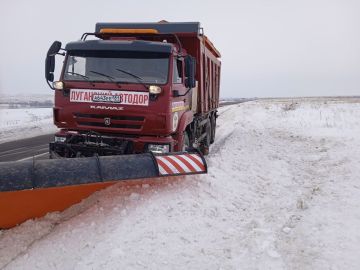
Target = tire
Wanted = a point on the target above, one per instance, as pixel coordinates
(213, 128)
(186, 142)
(205, 144)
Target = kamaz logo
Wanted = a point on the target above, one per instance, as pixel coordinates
(99, 107)
(107, 121)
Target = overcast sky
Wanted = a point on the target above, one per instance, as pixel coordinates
(269, 47)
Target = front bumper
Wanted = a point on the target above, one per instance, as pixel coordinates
(90, 144)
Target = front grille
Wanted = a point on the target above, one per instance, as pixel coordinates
(116, 121)
(113, 117)
(95, 124)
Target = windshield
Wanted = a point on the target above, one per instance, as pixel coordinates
(126, 67)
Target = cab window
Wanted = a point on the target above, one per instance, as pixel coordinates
(177, 71)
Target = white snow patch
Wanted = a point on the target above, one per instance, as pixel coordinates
(282, 192)
(18, 124)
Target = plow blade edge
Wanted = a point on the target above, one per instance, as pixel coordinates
(30, 189)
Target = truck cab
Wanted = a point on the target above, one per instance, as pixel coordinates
(132, 88)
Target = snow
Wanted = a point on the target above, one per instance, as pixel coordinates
(25, 123)
(26, 99)
(282, 192)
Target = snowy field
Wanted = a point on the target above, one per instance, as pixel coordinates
(282, 192)
(26, 100)
(24, 123)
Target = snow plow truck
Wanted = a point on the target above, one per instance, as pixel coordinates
(133, 101)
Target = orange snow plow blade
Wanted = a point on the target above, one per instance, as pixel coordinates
(18, 206)
(30, 189)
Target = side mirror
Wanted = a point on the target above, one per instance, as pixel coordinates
(190, 69)
(49, 68)
(54, 48)
(50, 60)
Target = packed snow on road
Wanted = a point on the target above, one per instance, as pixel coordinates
(282, 192)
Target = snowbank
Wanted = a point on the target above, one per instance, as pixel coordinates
(25, 123)
(282, 192)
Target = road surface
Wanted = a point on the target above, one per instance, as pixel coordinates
(37, 147)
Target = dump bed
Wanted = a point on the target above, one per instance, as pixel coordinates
(193, 40)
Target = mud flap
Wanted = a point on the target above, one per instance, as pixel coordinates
(39, 174)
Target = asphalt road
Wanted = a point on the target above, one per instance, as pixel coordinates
(37, 147)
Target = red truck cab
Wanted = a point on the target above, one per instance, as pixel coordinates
(137, 87)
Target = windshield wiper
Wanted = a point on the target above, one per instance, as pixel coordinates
(83, 76)
(139, 79)
(112, 79)
(129, 73)
(104, 75)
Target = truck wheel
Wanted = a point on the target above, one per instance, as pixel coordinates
(186, 143)
(213, 128)
(205, 144)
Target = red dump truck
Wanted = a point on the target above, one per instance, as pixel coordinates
(135, 88)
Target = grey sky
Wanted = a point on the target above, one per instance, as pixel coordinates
(269, 47)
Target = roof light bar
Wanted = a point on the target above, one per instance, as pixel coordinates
(128, 31)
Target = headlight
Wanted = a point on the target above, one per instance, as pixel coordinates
(58, 85)
(159, 148)
(60, 139)
(154, 89)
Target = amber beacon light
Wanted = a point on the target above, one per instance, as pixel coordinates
(128, 31)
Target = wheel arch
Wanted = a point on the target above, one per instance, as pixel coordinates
(185, 120)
